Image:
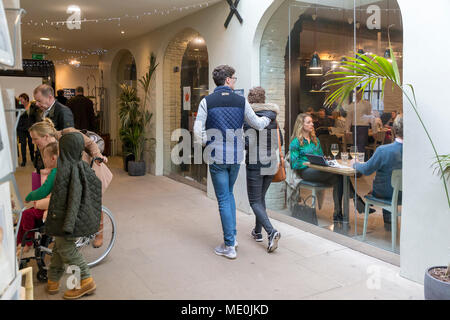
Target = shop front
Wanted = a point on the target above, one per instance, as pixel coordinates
(302, 43)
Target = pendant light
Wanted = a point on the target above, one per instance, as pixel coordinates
(387, 55)
(315, 66)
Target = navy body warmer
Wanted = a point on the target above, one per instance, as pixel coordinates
(226, 111)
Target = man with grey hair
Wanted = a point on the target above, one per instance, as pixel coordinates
(83, 111)
(385, 159)
(60, 115)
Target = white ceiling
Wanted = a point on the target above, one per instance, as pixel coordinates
(94, 35)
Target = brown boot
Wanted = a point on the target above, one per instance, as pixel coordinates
(52, 287)
(87, 287)
(98, 241)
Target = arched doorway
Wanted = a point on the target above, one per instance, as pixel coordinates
(123, 71)
(186, 74)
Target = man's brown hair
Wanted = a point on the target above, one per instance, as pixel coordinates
(221, 73)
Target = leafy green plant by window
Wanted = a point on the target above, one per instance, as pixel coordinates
(134, 116)
(366, 70)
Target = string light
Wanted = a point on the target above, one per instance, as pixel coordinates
(126, 16)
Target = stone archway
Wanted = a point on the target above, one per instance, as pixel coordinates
(173, 57)
(123, 69)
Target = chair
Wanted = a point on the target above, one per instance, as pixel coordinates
(379, 140)
(392, 206)
(294, 183)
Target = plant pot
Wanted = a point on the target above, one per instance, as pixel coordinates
(127, 159)
(435, 289)
(136, 168)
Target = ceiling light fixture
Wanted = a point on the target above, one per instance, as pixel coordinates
(45, 39)
(75, 63)
(122, 32)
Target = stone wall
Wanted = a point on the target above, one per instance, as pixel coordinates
(172, 92)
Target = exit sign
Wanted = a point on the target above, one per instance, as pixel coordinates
(37, 56)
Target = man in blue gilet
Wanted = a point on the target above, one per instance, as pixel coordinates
(218, 125)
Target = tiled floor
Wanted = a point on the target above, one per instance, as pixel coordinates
(166, 235)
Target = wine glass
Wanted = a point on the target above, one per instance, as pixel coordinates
(353, 151)
(334, 150)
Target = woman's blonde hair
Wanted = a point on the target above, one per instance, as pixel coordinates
(43, 128)
(298, 129)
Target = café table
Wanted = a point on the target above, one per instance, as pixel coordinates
(346, 173)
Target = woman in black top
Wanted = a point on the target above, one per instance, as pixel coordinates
(262, 164)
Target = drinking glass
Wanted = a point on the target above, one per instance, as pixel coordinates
(360, 156)
(353, 151)
(344, 156)
(334, 150)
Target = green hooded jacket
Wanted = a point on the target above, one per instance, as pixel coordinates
(76, 200)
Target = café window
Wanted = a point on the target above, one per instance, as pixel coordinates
(322, 35)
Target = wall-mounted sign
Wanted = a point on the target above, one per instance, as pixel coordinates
(186, 98)
(240, 92)
(69, 93)
(233, 11)
(37, 56)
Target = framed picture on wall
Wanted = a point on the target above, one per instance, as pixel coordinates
(6, 52)
(7, 241)
(5, 152)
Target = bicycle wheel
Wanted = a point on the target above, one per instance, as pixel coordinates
(93, 255)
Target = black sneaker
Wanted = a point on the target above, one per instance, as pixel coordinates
(257, 236)
(361, 206)
(273, 241)
(338, 217)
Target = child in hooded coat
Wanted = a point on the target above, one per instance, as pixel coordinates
(74, 211)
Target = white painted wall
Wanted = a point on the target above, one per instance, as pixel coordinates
(68, 76)
(233, 46)
(21, 84)
(425, 236)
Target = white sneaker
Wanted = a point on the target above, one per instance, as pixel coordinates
(226, 251)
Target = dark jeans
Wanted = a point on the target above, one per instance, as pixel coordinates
(362, 137)
(25, 137)
(257, 186)
(337, 181)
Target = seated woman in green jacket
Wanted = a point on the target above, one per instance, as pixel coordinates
(304, 141)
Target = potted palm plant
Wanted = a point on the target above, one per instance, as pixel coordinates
(367, 69)
(135, 120)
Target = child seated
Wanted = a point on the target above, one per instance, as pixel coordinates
(39, 210)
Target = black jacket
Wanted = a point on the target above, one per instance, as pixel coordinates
(270, 111)
(28, 118)
(61, 116)
(83, 112)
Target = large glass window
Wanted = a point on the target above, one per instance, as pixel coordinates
(321, 34)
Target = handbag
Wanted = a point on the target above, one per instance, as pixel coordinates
(96, 138)
(281, 173)
(104, 174)
(304, 212)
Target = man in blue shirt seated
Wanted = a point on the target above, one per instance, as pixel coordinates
(385, 159)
